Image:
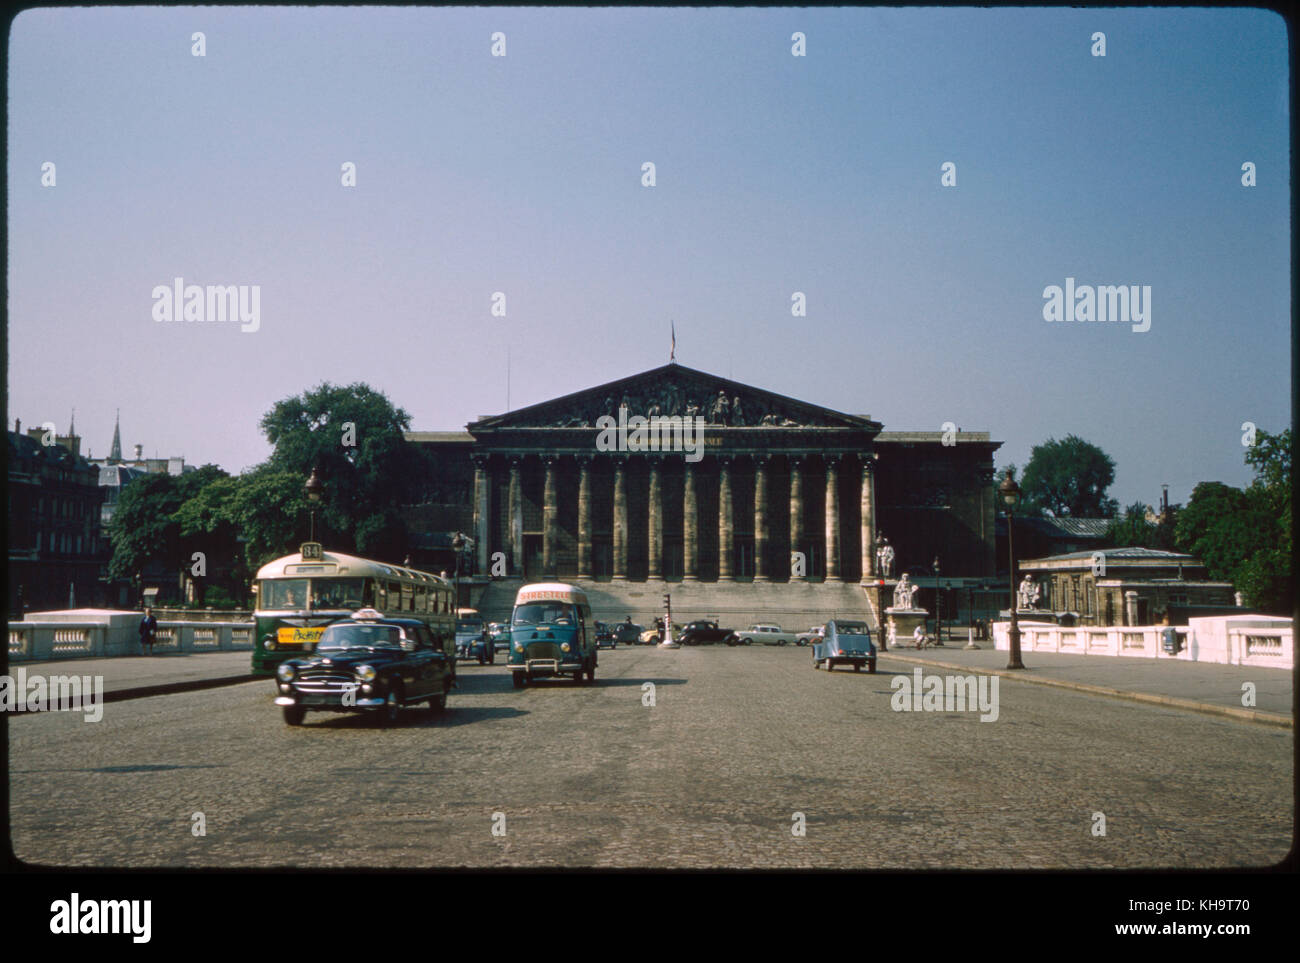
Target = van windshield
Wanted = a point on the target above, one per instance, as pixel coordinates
(538, 613)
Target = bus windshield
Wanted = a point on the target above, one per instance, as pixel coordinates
(537, 613)
(346, 594)
(283, 593)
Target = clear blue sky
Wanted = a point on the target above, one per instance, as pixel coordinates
(775, 174)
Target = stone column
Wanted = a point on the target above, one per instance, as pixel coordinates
(760, 519)
(1130, 607)
(482, 509)
(516, 509)
(868, 520)
(796, 511)
(620, 519)
(550, 509)
(690, 529)
(655, 529)
(726, 531)
(832, 518)
(584, 517)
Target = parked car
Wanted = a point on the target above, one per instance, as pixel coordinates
(652, 636)
(845, 643)
(629, 633)
(367, 663)
(605, 636)
(471, 635)
(499, 633)
(703, 632)
(814, 634)
(764, 634)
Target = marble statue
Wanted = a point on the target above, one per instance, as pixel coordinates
(904, 592)
(1029, 593)
(885, 558)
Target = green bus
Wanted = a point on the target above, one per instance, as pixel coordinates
(298, 595)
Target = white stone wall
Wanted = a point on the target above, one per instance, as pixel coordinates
(1258, 640)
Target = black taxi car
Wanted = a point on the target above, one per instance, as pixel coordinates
(367, 663)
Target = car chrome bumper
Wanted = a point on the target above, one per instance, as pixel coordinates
(322, 700)
(546, 666)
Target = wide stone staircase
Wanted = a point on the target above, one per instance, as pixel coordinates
(735, 605)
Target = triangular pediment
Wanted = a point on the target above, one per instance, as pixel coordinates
(676, 390)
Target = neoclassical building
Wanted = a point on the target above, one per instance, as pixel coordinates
(779, 491)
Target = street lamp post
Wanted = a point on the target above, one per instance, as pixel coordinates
(314, 488)
(970, 617)
(938, 605)
(1010, 493)
(457, 546)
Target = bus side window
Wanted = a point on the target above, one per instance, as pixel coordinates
(368, 594)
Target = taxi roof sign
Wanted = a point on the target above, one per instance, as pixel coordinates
(361, 614)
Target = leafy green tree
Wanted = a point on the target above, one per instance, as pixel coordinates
(207, 526)
(1068, 478)
(146, 528)
(354, 437)
(270, 510)
(1131, 528)
(1244, 536)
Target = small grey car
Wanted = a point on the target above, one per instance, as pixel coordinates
(845, 643)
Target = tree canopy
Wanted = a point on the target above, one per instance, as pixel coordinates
(1068, 478)
(1244, 535)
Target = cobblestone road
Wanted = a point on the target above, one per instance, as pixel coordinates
(738, 741)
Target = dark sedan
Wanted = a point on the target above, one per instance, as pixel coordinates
(605, 636)
(703, 632)
(629, 633)
(367, 663)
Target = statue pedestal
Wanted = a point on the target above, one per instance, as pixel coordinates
(902, 623)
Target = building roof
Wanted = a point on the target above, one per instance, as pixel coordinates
(1128, 558)
(1058, 528)
(118, 476)
(1132, 552)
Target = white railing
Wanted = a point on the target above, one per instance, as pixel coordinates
(1267, 642)
(119, 635)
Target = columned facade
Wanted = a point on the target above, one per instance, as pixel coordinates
(832, 518)
(726, 535)
(560, 495)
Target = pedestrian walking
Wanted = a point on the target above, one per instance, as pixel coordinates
(148, 630)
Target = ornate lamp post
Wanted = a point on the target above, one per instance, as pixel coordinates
(970, 610)
(938, 603)
(314, 488)
(1010, 493)
(457, 546)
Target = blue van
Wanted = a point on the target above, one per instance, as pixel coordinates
(552, 633)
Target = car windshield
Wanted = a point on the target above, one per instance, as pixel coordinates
(539, 613)
(469, 627)
(852, 628)
(360, 636)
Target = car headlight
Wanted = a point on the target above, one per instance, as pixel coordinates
(519, 647)
(564, 646)
(269, 643)
(284, 672)
(366, 673)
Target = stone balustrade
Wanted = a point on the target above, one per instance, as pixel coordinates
(85, 634)
(1230, 640)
